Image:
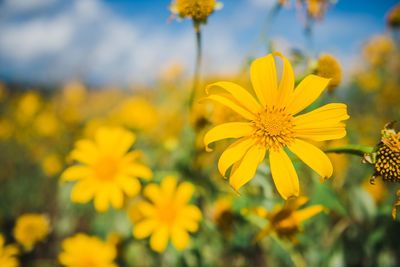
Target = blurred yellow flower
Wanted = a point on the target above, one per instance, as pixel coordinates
(167, 214)
(271, 125)
(6, 129)
(316, 8)
(368, 80)
(285, 221)
(8, 254)
(198, 10)
(107, 170)
(46, 124)
(31, 228)
(137, 113)
(28, 105)
(51, 164)
(82, 250)
(377, 50)
(329, 67)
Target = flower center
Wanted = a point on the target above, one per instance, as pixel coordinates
(167, 214)
(106, 168)
(388, 164)
(273, 128)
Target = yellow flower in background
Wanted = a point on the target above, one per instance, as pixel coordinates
(198, 10)
(377, 50)
(376, 190)
(286, 221)
(329, 67)
(106, 170)
(51, 164)
(137, 113)
(167, 214)
(368, 80)
(28, 105)
(316, 8)
(273, 123)
(46, 124)
(8, 254)
(30, 229)
(82, 250)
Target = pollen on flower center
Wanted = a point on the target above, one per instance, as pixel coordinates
(106, 168)
(273, 128)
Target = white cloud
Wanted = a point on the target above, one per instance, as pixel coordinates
(87, 40)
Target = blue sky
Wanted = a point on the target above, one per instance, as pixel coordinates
(127, 41)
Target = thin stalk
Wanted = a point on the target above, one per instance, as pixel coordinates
(358, 150)
(197, 66)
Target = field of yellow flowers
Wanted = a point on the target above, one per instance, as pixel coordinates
(282, 164)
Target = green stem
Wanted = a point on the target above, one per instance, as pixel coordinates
(197, 67)
(358, 150)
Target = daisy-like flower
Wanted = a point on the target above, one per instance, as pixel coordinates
(167, 214)
(273, 124)
(31, 228)
(197, 10)
(286, 221)
(84, 250)
(106, 170)
(8, 254)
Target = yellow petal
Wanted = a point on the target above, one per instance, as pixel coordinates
(313, 157)
(322, 134)
(264, 79)
(124, 141)
(234, 153)
(286, 84)
(180, 238)
(284, 174)
(153, 193)
(329, 115)
(184, 193)
(129, 185)
(85, 151)
(227, 130)
(138, 170)
(188, 224)
(75, 173)
(229, 102)
(83, 191)
(240, 94)
(116, 197)
(146, 209)
(191, 212)
(247, 167)
(309, 89)
(168, 186)
(306, 213)
(144, 228)
(101, 201)
(159, 239)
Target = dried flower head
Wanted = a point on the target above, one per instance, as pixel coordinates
(393, 17)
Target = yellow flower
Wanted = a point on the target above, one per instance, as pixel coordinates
(316, 8)
(51, 164)
(377, 50)
(130, 113)
(273, 123)
(167, 214)
(83, 250)
(28, 106)
(329, 67)
(31, 228)
(376, 190)
(8, 254)
(285, 221)
(46, 124)
(107, 170)
(198, 10)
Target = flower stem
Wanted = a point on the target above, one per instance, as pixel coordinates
(358, 150)
(197, 66)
